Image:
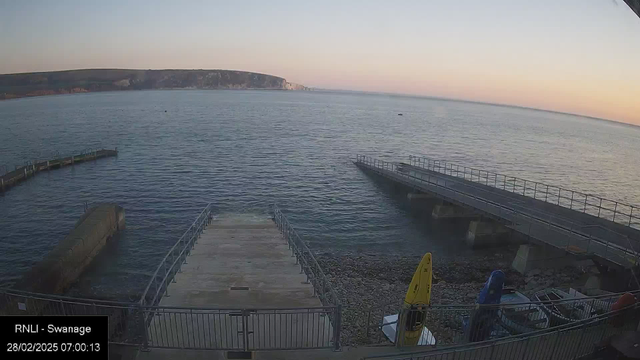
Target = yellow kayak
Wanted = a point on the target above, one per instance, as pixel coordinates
(418, 295)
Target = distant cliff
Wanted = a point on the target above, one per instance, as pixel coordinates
(90, 80)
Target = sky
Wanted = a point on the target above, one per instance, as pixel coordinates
(576, 56)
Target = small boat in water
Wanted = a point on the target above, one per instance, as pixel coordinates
(523, 316)
(561, 310)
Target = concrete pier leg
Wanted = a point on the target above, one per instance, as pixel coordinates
(539, 256)
(2, 184)
(73, 160)
(25, 172)
(486, 233)
(47, 165)
(452, 212)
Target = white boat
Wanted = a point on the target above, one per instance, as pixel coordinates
(522, 316)
(562, 312)
(389, 323)
(600, 305)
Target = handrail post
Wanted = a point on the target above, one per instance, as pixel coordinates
(584, 209)
(615, 210)
(630, 215)
(571, 206)
(546, 194)
(143, 328)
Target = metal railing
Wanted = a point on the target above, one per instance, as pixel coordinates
(545, 226)
(242, 329)
(57, 156)
(190, 328)
(126, 320)
(147, 325)
(314, 274)
(616, 211)
(9, 178)
(458, 324)
(569, 341)
(307, 261)
(173, 260)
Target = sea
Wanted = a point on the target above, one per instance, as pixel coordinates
(243, 151)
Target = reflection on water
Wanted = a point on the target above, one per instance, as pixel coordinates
(243, 150)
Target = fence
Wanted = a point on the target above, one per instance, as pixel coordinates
(309, 265)
(190, 328)
(9, 178)
(459, 324)
(242, 329)
(539, 224)
(612, 210)
(570, 341)
(126, 320)
(38, 162)
(147, 325)
(304, 257)
(172, 262)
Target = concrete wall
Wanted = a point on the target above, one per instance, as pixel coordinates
(64, 264)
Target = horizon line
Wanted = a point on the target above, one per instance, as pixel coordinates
(349, 90)
(477, 102)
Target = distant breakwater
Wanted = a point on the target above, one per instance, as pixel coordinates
(22, 173)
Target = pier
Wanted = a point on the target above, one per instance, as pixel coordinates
(233, 282)
(573, 222)
(22, 173)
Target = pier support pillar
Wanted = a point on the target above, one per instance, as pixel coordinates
(452, 212)
(2, 184)
(531, 256)
(47, 165)
(486, 233)
(419, 196)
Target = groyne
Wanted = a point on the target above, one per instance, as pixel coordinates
(22, 173)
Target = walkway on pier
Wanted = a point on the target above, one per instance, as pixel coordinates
(241, 289)
(241, 261)
(569, 220)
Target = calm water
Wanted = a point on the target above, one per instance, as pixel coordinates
(242, 150)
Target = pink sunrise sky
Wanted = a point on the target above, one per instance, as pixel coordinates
(573, 56)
